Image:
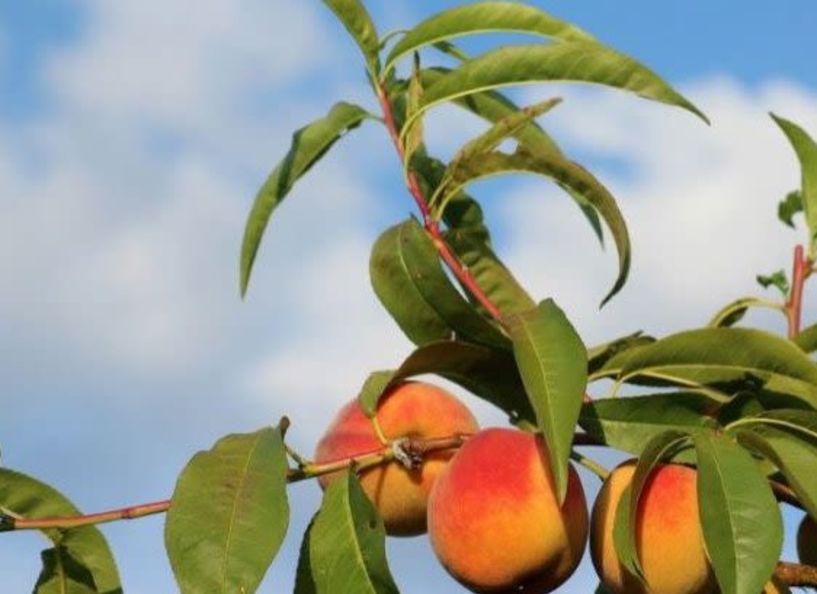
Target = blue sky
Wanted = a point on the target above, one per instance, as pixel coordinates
(132, 140)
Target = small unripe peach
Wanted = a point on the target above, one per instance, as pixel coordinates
(807, 541)
(494, 518)
(668, 534)
(411, 409)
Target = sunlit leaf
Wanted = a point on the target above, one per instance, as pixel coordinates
(309, 144)
(484, 17)
(26, 497)
(806, 149)
(739, 515)
(733, 312)
(807, 339)
(229, 514)
(598, 355)
(574, 61)
(553, 363)
(731, 359)
(346, 544)
(359, 24)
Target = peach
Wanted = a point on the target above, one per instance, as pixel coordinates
(411, 409)
(807, 541)
(494, 520)
(669, 540)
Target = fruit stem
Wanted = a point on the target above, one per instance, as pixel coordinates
(431, 225)
(591, 465)
(796, 574)
(801, 269)
(416, 448)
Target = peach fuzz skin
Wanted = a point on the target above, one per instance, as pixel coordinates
(668, 534)
(412, 409)
(494, 520)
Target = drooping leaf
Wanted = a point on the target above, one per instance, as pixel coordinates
(628, 424)
(732, 313)
(806, 149)
(553, 363)
(359, 24)
(484, 17)
(62, 574)
(807, 339)
(229, 514)
(347, 550)
(407, 277)
(732, 359)
(778, 280)
(27, 497)
(414, 139)
(598, 355)
(566, 174)
(304, 572)
(740, 518)
(308, 145)
(790, 206)
(624, 527)
(798, 421)
(486, 372)
(574, 61)
(792, 455)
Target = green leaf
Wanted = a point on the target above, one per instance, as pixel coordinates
(486, 372)
(309, 144)
(790, 206)
(484, 17)
(740, 518)
(803, 422)
(62, 574)
(807, 339)
(347, 550)
(304, 573)
(806, 149)
(553, 363)
(778, 279)
(407, 277)
(656, 449)
(373, 388)
(229, 514)
(732, 313)
(598, 355)
(732, 359)
(566, 174)
(359, 24)
(414, 139)
(25, 497)
(493, 107)
(793, 456)
(575, 61)
(628, 424)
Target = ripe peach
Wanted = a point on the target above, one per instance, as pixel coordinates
(668, 534)
(807, 541)
(494, 520)
(411, 409)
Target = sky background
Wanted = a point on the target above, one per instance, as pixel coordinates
(133, 136)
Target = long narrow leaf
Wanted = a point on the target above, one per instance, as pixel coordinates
(575, 61)
(359, 24)
(553, 363)
(484, 17)
(308, 145)
(806, 149)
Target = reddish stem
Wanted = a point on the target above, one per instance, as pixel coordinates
(432, 226)
(801, 268)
